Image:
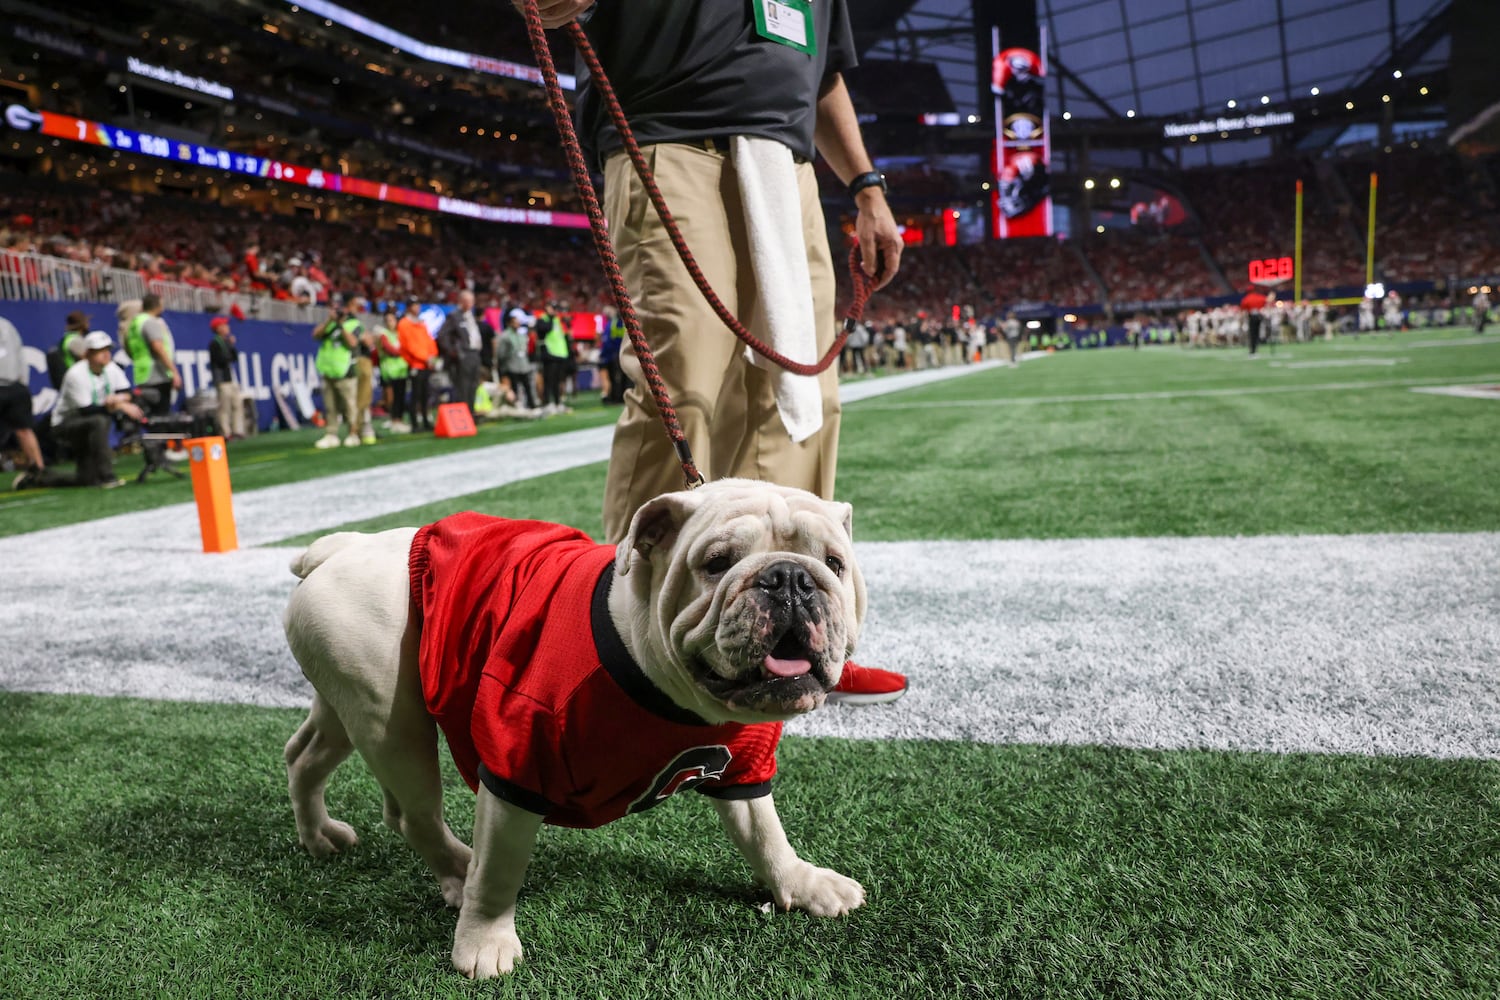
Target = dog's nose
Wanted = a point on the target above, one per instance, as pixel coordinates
(786, 582)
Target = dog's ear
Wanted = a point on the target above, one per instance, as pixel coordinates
(841, 514)
(656, 524)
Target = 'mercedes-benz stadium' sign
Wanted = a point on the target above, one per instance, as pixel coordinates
(177, 78)
(1206, 126)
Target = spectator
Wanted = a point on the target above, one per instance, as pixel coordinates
(611, 340)
(69, 348)
(393, 372)
(458, 342)
(1481, 310)
(513, 358)
(223, 355)
(364, 367)
(93, 391)
(555, 346)
(338, 338)
(149, 343)
(418, 348)
(15, 405)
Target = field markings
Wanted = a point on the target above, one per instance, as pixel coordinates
(1366, 644)
(1417, 344)
(1343, 363)
(1465, 391)
(1126, 397)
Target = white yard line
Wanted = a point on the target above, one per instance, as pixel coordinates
(1117, 397)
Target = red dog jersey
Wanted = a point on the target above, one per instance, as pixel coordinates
(526, 675)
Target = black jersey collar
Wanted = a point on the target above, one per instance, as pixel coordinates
(621, 666)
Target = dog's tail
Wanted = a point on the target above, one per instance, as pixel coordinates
(319, 552)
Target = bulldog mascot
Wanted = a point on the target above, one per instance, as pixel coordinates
(575, 682)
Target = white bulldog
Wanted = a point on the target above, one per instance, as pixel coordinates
(574, 682)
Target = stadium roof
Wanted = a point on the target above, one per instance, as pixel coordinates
(1169, 57)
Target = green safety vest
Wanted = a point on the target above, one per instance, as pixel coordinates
(139, 348)
(556, 341)
(393, 366)
(67, 345)
(335, 358)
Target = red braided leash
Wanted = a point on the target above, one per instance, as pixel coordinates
(863, 284)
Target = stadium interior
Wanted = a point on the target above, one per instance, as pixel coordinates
(1141, 222)
(1202, 642)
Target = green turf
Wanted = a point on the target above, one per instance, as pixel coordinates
(1050, 451)
(147, 849)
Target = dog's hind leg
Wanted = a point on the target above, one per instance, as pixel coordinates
(319, 745)
(404, 759)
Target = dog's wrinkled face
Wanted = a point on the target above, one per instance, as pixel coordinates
(752, 598)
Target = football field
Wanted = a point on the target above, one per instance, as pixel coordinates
(1203, 653)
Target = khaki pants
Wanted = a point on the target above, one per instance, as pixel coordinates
(339, 397)
(364, 390)
(726, 406)
(231, 409)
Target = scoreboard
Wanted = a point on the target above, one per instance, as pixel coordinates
(125, 140)
(1271, 270)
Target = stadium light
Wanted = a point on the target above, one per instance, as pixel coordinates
(1098, 229)
(1231, 103)
(1265, 98)
(1316, 91)
(1396, 75)
(1088, 185)
(985, 186)
(1067, 116)
(1423, 91)
(1114, 182)
(1348, 105)
(1130, 113)
(1385, 98)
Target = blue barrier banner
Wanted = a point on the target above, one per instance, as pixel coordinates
(273, 356)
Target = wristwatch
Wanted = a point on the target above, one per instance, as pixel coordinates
(872, 179)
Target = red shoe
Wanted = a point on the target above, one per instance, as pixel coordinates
(867, 686)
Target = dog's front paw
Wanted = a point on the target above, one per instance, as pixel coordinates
(484, 949)
(819, 891)
(328, 838)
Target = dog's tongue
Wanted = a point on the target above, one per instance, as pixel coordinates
(787, 668)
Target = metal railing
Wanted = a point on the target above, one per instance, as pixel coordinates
(35, 277)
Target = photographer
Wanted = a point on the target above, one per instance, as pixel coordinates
(93, 391)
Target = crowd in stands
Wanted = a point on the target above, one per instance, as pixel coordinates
(209, 246)
(1435, 223)
(1420, 195)
(1140, 267)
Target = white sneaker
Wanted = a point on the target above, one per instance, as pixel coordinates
(175, 456)
(327, 441)
(399, 427)
(352, 441)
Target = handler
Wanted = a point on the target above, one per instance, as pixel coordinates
(730, 102)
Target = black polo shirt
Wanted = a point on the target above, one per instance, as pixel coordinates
(686, 70)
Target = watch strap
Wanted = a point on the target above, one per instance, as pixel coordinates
(873, 178)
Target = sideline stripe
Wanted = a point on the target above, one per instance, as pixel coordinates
(1125, 397)
(1334, 644)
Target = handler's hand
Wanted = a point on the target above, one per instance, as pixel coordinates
(880, 242)
(556, 13)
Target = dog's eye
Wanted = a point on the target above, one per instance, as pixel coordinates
(836, 564)
(718, 564)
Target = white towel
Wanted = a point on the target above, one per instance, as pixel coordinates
(785, 321)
